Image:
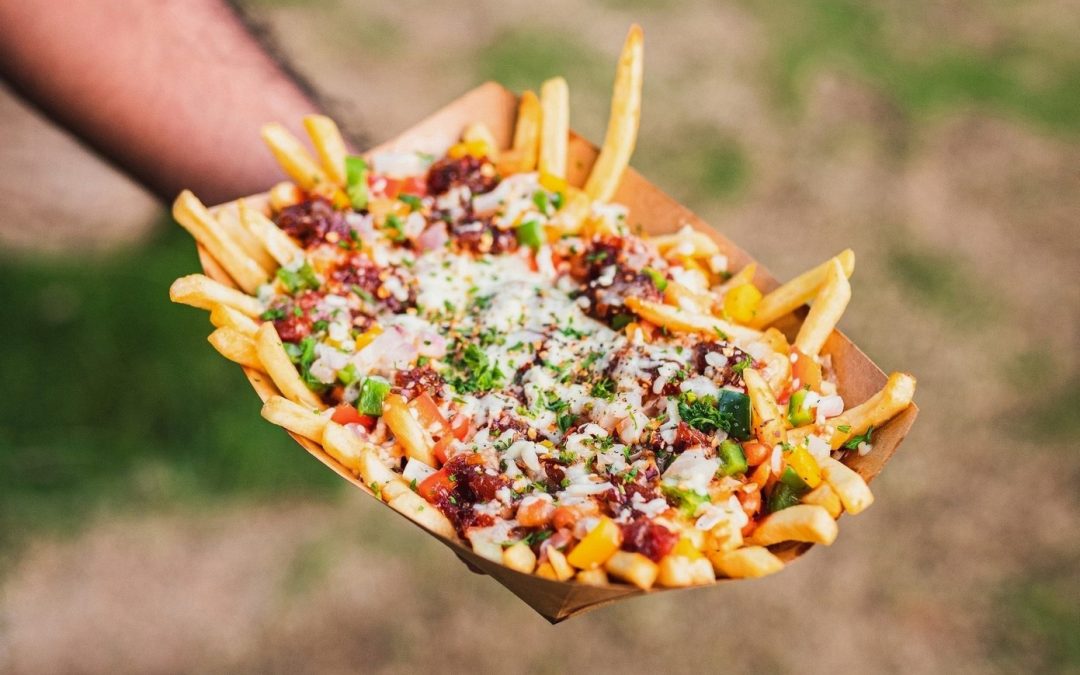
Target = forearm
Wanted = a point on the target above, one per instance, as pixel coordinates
(172, 91)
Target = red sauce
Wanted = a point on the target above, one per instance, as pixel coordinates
(647, 538)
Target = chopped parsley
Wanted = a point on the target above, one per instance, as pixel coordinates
(414, 202)
(688, 501)
(302, 278)
(396, 227)
(303, 355)
(273, 314)
(604, 388)
(473, 372)
(856, 441)
(742, 365)
(730, 413)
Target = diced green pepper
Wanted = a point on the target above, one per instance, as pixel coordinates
(356, 172)
(372, 393)
(797, 414)
(620, 321)
(531, 234)
(793, 480)
(737, 406)
(348, 374)
(658, 279)
(788, 491)
(732, 459)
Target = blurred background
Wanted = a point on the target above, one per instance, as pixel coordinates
(150, 521)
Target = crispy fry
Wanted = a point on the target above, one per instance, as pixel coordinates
(768, 418)
(281, 369)
(407, 430)
(236, 347)
(824, 496)
(746, 563)
(623, 125)
(554, 127)
(571, 217)
(417, 509)
(343, 445)
(330, 146)
(293, 157)
(374, 473)
(633, 568)
(802, 522)
(799, 291)
(893, 398)
(681, 321)
(527, 131)
(196, 219)
(284, 194)
(596, 577)
(743, 276)
(296, 418)
(519, 557)
(677, 571)
(478, 133)
(687, 299)
(280, 246)
(828, 307)
(228, 219)
(559, 564)
(201, 291)
(223, 316)
(849, 486)
(686, 242)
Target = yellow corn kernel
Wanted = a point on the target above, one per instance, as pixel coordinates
(741, 302)
(686, 548)
(805, 465)
(365, 338)
(597, 546)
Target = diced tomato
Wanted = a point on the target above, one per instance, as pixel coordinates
(459, 426)
(756, 452)
(344, 413)
(441, 445)
(806, 370)
(436, 484)
(411, 185)
(428, 414)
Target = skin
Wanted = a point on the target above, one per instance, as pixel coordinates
(171, 91)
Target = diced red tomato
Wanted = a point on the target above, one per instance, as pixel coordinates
(441, 445)
(435, 484)
(412, 185)
(806, 370)
(344, 413)
(428, 414)
(756, 452)
(459, 426)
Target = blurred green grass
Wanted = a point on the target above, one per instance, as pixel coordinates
(116, 400)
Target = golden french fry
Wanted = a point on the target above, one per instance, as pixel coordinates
(633, 568)
(559, 564)
(768, 417)
(284, 194)
(408, 431)
(596, 577)
(546, 571)
(416, 508)
(554, 127)
(678, 295)
(280, 246)
(825, 313)
(478, 133)
(228, 218)
(374, 473)
(799, 291)
(686, 242)
(527, 131)
(743, 276)
(893, 398)
(223, 316)
(623, 125)
(802, 522)
(236, 347)
(746, 563)
(196, 219)
(679, 571)
(296, 418)
(824, 496)
(343, 445)
(853, 491)
(293, 157)
(281, 369)
(330, 146)
(681, 321)
(519, 557)
(201, 291)
(571, 217)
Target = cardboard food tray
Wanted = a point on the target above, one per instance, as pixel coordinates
(858, 377)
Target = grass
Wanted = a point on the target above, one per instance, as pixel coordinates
(114, 399)
(942, 283)
(524, 58)
(1036, 622)
(701, 163)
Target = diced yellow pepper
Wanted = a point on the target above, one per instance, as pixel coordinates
(686, 548)
(365, 338)
(741, 302)
(552, 183)
(597, 546)
(476, 148)
(805, 465)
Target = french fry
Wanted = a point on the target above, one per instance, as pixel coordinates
(681, 321)
(554, 127)
(293, 157)
(343, 445)
(678, 295)
(768, 417)
(223, 316)
(281, 369)
(802, 522)
(201, 291)
(228, 219)
(519, 557)
(746, 563)
(196, 219)
(679, 571)
(559, 564)
(623, 124)
(280, 246)
(596, 577)
(236, 347)
(330, 146)
(284, 194)
(825, 313)
(527, 131)
(417, 509)
(412, 436)
(799, 291)
(686, 242)
(571, 217)
(849, 486)
(374, 473)
(743, 276)
(893, 398)
(633, 568)
(296, 418)
(478, 133)
(824, 496)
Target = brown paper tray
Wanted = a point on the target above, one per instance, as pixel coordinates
(858, 376)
